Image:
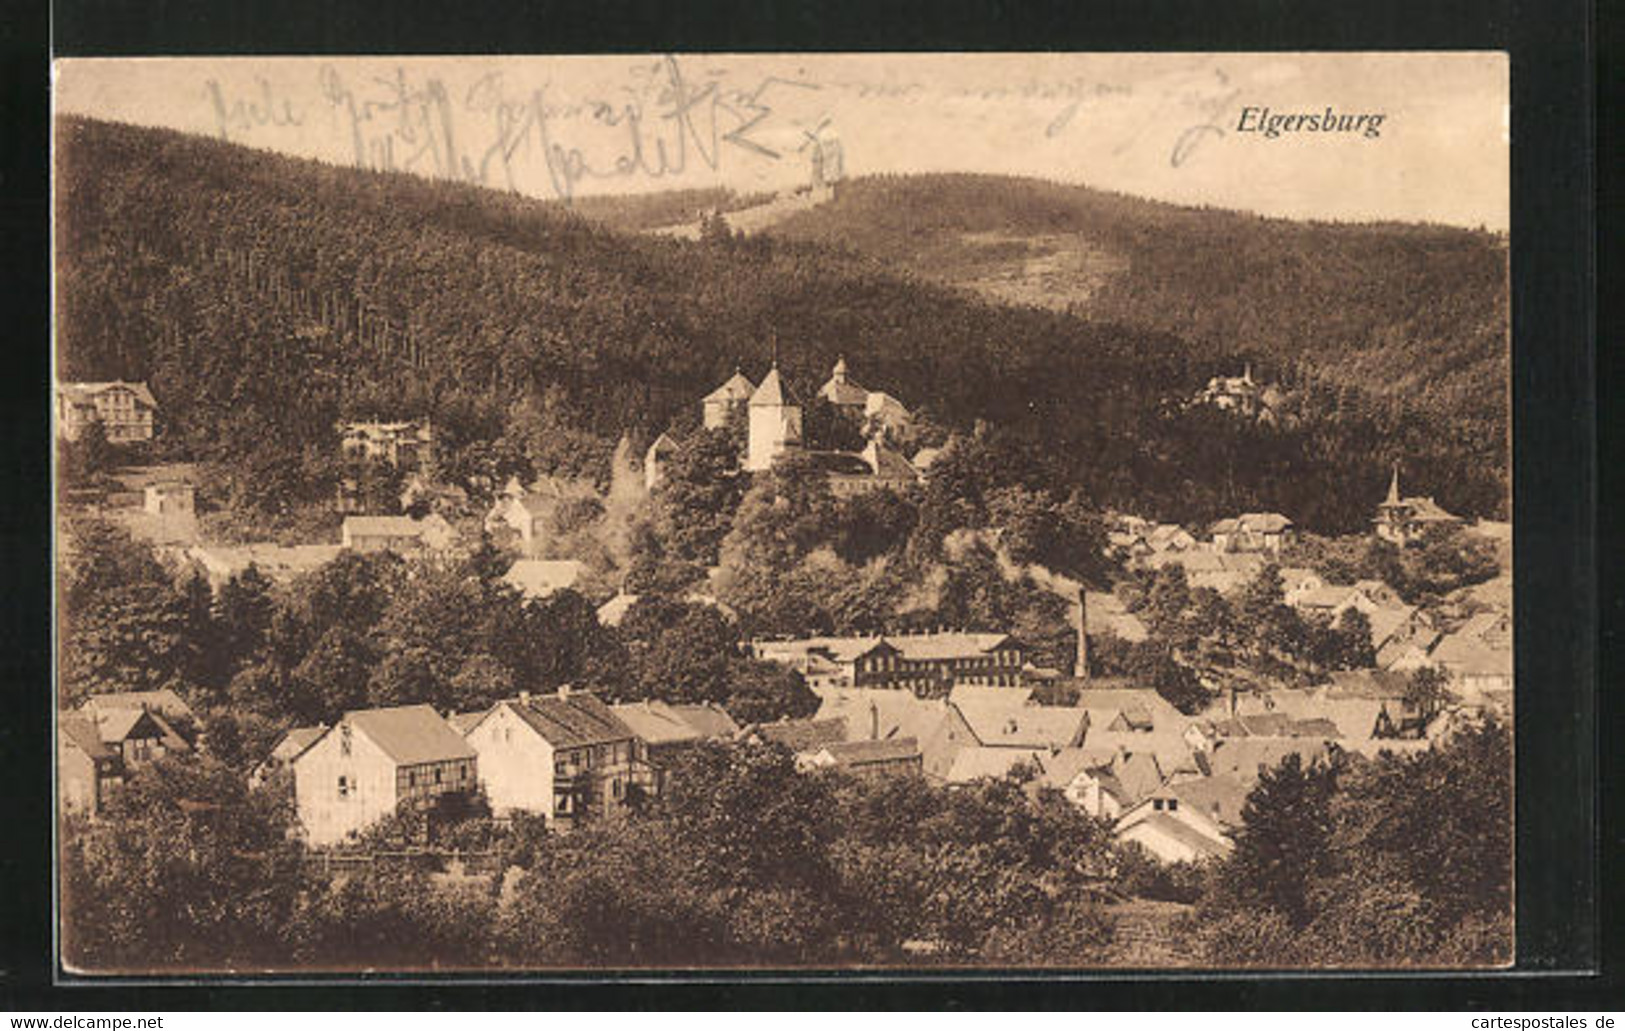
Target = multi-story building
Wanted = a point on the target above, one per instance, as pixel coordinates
(566, 756)
(929, 664)
(403, 444)
(124, 410)
(374, 762)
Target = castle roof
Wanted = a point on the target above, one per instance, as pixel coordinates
(737, 388)
(772, 391)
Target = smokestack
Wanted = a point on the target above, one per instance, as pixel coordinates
(1080, 665)
(874, 721)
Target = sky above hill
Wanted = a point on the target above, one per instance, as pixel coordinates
(1184, 128)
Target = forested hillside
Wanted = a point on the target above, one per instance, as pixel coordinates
(264, 297)
(1412, 317)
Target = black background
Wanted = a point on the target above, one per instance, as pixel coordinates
(1563, 666)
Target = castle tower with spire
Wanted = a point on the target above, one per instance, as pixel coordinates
(775, 423)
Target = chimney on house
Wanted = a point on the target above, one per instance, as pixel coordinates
(1080, 665)
(524, 698)
(564, 691)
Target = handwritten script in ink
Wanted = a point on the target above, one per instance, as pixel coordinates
(661, 126)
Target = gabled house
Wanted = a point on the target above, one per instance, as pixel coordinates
(163, 701)
(880, 714)
(374, 762)
(1085, 777)
(797, 735)
(665, 730)
(136, 736)
(1191, 821)
(124, 410)
(87, 769)
(400, 534)
(894, 757)
(524, 511)
(290, 746)
(1253, 531)
(565, 756)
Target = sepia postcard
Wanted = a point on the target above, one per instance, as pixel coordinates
(800, 512)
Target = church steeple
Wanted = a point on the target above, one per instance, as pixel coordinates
(1393, 488)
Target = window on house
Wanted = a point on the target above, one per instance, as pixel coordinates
(344, 787)
(438, 774)
(1173, 805)
(344, 740)
(615, 789)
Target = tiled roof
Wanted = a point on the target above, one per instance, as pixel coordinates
(1366, 683)
(463, 722)
(538, 578)
(801, 735)
(1183, 833)
(1220, 798)
(411, 734)
(655, 723)
(611, 612)
(736, 388)
(1062, 767)
(162, 700)
(294, 743)
(123, 724)
(839, 393)
(1025, 726)
(1243, 758)
(80, 393)
(990, 763)
(882, 712)
(82, 732)
(772, 391)
(571, 721)
(890, 465)
(1466, 654)
(710, 719)
(860, 753)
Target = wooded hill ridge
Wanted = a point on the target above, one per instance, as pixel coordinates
(264, 297)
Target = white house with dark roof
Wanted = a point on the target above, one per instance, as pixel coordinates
(565, 756)
(125, 410)
(373, 762)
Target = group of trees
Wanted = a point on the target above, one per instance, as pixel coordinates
(1398, 861)
(374, 629)
(1199, 639)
